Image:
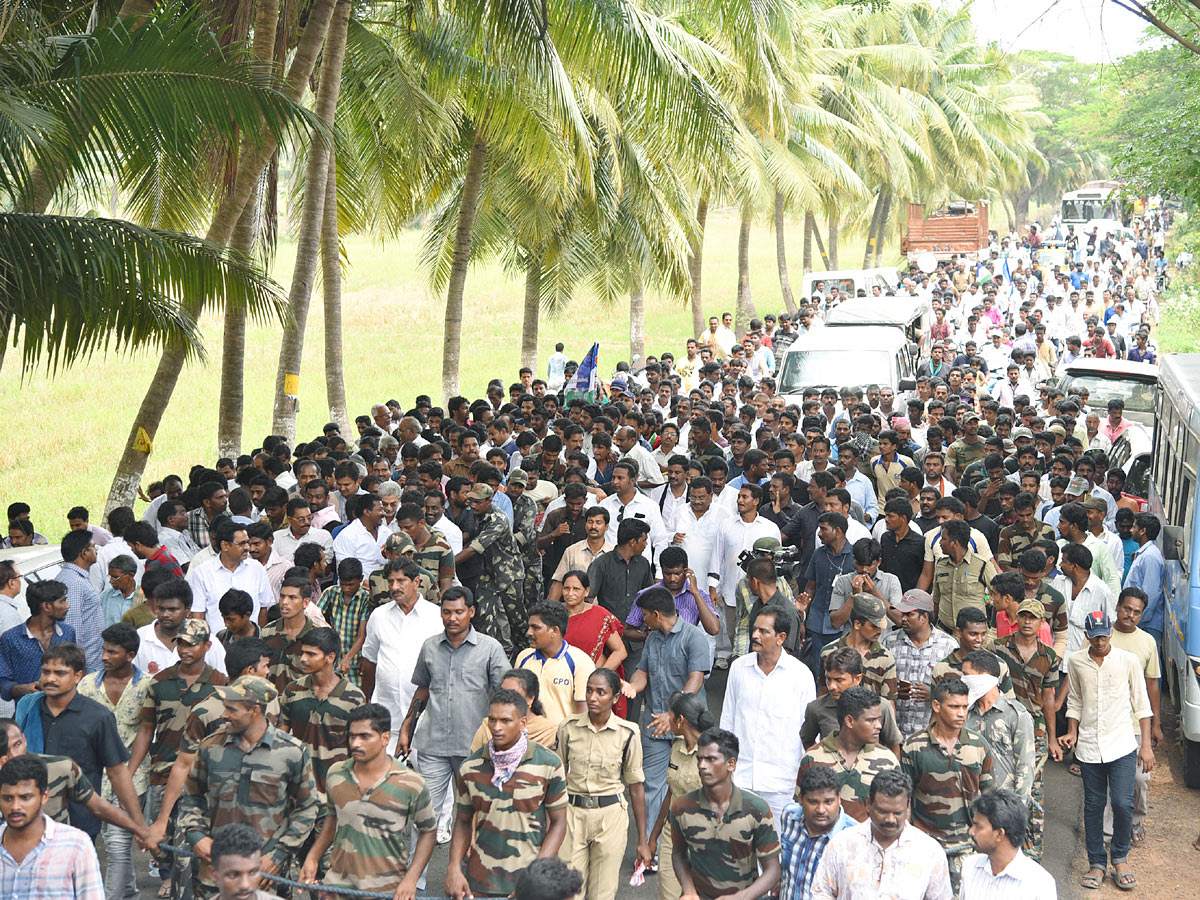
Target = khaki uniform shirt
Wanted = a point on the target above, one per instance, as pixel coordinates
(600, 762)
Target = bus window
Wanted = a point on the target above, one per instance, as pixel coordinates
(1187, 493)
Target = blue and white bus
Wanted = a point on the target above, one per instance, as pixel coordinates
(1173, 498)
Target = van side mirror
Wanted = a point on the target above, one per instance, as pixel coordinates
(908, 384)
(914, 348)
(1172, 542)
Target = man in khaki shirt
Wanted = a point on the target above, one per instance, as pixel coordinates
(582, 554)
(961, 577)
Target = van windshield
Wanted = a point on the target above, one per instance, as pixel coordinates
(806, 368)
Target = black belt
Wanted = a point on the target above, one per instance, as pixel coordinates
(585, 801)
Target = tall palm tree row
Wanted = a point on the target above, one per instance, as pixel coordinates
(582, 143)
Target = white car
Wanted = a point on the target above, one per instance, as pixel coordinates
(40, 562)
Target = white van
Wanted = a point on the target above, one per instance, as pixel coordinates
(845, 356)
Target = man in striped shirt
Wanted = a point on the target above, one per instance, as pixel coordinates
(41, 859)
(805, 829)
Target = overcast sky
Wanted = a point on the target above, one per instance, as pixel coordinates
(1090, 30)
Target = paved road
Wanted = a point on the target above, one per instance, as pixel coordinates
(1063, 832)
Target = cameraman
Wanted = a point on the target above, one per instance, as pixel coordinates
(759, 588)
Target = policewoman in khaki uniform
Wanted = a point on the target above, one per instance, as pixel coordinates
(689, 718)
(601, 754)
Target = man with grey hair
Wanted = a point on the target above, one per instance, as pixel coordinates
(389, 493)
(408, 431)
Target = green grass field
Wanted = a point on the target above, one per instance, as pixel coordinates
(66, 432)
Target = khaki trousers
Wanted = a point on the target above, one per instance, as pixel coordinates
(595, 847)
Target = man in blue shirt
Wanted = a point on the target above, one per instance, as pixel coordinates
(21, 646)
(833, 558)
(1146, 572)
(86, 615)
(805, 829)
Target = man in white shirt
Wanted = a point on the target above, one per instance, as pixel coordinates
(395, 633)
(172, 522)
(1107, 692)
(232, 567)
(999, 868)
(736, 534)
(628, 502)
(119, 519)
(672, 496)
(299, 530)
(885, 856)
(649, 474)
(696, 526)
(766, 698)
(1084, 592)
(365, 536)
(156, 641)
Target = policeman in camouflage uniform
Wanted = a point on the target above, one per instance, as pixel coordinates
(949, 766)
(867, 622)
(525, 512)
(397, 545)
(1037, 587)
(715, 853)
(1021, 535)
(66, 783)
(1035, 676)
(433, 552)
(511, 824)
(1004, 723)
(853, 750)
(367, 832)
(972, 633)
(498, 591)
(967, 450)
(250, 772)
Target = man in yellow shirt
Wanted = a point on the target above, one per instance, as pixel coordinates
(562, 670)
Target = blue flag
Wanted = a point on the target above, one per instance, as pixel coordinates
(586, 380)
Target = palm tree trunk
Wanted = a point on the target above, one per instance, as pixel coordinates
(882, 227)
(785, 285)
(696, 266)
(745, 303)
(308, 244)
(230, 404)
(871, 226)
(637, 322)
(251, 162)
(806, 261)
(533, 306)
(833, 242)
(331, 280)
(811, 223)
(452, 337)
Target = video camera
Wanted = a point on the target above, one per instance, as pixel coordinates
(786, 559)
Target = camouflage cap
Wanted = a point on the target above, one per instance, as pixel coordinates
(1022, 434)
(194, 631)
(970, 417)
(767, 543)
(1032, 606)
(519, 477)
(871, 608)
(1094, 502)
(399, 542)
(248, 689)
(480, 492)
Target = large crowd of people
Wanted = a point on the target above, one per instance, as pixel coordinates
(499, 623)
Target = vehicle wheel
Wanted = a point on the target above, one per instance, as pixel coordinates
(1191, 763)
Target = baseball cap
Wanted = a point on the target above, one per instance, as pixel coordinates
(970, 417)
(1032, 606)
(1095, 503)
(767, 543)
(1078, 486)
(480, 492)
(913, 600)
(1097, 624)
(1018, 433)
(399, 542)
(1057, 429)
(248, 689)
(194, 631)
(519, 476)
(871, 608)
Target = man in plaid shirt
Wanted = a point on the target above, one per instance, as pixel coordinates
(41, 859)
(917, 647)
(805, 829)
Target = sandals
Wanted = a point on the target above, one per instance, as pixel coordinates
(1138, 837)
(1074, 769)
(1093, 879)
(164, 890)
(1124, 880)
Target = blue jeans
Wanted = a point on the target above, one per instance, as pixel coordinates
(656, 756)
(1104, 783)
(439, 773)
